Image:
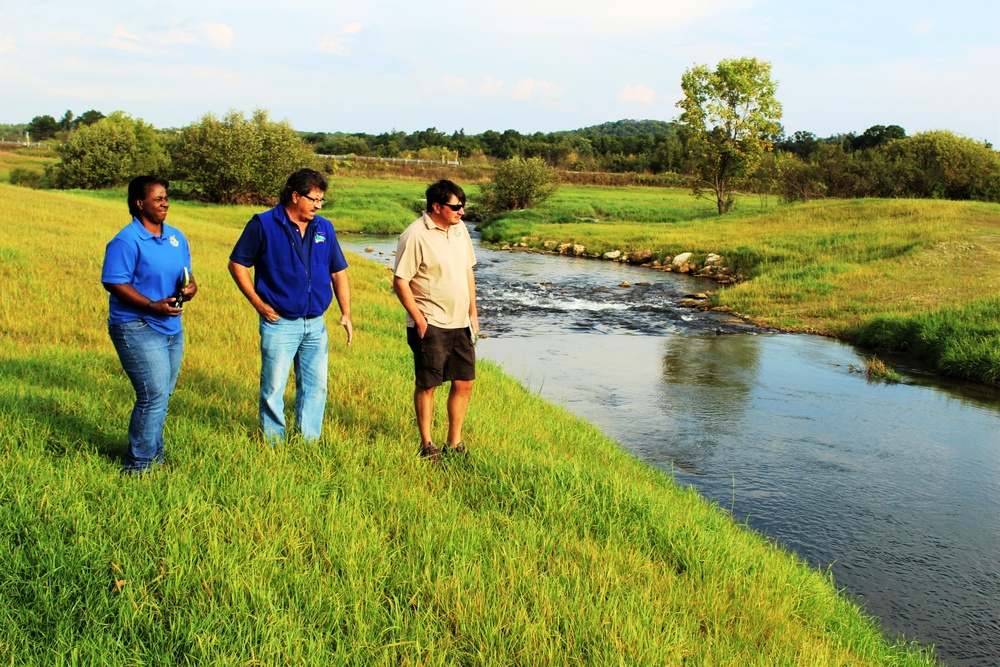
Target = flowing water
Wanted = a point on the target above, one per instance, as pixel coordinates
(894, 488)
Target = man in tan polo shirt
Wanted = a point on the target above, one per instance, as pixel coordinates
(434, 282)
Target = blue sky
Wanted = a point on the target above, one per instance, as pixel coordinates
(529, 65)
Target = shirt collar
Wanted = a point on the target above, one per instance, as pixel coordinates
(145, 234)
(429, 224)
(291, 225)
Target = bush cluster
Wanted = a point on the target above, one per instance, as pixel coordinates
(229, 160)
(929, 165)
(517, 184)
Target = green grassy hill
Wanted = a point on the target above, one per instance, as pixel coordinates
(550, 546)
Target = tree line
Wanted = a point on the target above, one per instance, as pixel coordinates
(728, 138)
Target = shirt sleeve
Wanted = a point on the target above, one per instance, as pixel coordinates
(249, 246)
(407, 260)
(120, 258)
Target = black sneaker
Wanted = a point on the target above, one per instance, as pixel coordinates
(460, 449)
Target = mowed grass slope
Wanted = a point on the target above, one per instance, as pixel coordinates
(920, 277)
(550, 546)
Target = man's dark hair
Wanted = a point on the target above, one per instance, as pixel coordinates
(302, 181)
(441, 192)
(139, 187)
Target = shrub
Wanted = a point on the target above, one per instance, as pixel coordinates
(25, 177)
(108, 153)
(518, 184)
(237, 160)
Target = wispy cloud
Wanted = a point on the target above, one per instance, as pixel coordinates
(218, 35)
(629, 16)
(545, 93)
(486, 86)
(640, 94)
(337, 44)
(123, 40)
(7, 44)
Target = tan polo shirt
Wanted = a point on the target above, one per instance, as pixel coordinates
(435, 262)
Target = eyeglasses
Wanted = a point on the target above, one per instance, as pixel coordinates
(317, 201)
(454, 207)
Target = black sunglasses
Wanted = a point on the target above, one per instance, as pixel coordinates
(454, 207)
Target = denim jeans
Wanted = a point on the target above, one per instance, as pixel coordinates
(151, 360)
(302, 342)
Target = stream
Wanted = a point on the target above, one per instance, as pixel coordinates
(895, 488)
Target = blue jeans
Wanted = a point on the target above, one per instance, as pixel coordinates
(151, 360)
(302, 341)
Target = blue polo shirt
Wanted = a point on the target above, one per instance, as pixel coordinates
(153, 265)
(292, 271)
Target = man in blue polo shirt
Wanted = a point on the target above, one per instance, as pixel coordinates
(298, 268)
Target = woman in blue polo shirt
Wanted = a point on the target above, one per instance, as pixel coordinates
(147, 270)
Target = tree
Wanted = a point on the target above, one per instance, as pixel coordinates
(729, 114)
(877, 135)
(89, 117)
(110, 152)
(43, 127)
(66, 123)
(239, 160)
(518, 184)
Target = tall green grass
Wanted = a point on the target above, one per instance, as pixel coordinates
(550, 545)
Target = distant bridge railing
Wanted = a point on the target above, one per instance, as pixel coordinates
(28, 144)
(391, 160)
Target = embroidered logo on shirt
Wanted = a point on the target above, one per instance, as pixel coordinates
(458, 232)
(320, 237)
(173, 241)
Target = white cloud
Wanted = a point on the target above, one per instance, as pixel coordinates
(337, 44)
(219, 35)
(7, 44)
(922, 28)
(640, 94)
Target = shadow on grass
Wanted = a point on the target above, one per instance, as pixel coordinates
(70, 406)
(43, 398)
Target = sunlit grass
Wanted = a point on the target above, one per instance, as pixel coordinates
(551, 545)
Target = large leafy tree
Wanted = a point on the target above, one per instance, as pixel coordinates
(43, 127)
(729, 115)
(238, 160)
(110, 152)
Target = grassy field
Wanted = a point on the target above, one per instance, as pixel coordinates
(549, 546)
(920, 277)
(33, 159)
